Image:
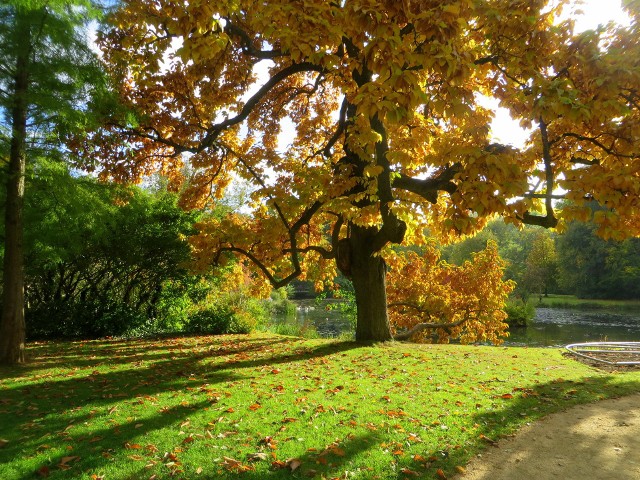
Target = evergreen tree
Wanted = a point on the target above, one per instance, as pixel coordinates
(48, 73)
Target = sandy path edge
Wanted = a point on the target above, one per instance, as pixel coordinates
(598, 441)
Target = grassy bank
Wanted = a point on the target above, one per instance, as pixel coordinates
(268, 406)
(570, 301)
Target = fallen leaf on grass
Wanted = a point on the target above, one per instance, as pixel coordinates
(3, 442)
(65, 460)
(409, 472)
(460, 469)
(234, 465)
(269, 442)
(441, 474)
(43, 472)
(258, 456)
(333, 449)
(488, 440)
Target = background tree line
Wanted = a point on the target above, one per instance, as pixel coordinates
(574, 262)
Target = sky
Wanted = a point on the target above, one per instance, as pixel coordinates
(600, 11)
(506, 130)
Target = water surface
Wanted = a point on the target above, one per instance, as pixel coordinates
(551, 326)
(561, 326)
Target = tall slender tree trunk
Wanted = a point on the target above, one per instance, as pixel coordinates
(12, 326)
(368, 274)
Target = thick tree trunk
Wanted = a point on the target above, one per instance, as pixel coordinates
(12, 326)
(368, 274)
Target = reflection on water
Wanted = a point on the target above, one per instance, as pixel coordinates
(326, 321)
(551, 327)
(559, 326)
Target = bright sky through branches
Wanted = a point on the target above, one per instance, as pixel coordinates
(598, 12)
(594, 12)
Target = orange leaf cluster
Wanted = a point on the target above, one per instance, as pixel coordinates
(465, 302)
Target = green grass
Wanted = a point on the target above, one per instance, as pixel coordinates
(275, 407)
(570, 301)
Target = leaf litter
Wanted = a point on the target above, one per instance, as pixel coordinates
(223, 406)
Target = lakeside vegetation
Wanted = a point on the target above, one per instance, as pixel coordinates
(571, 301)
(267, 405)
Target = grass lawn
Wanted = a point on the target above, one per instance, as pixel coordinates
(266, 406)
(570, 301)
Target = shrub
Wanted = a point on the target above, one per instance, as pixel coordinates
(280, 304)
(228, 313)
(81, 320)
(519, 313)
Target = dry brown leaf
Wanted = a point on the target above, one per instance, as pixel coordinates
(65, 460)
(410, 472)
(43, 472)
(294, 464)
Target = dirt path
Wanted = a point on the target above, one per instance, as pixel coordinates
(600, 441)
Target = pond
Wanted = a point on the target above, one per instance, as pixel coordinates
(561, 326)
(327, 321)
(550, 327)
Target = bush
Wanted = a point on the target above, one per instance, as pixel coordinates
(213, 320)
(228, 313)
(81, 320)
(519, 314)
(280, 304)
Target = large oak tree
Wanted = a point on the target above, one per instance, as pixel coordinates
(387, 134)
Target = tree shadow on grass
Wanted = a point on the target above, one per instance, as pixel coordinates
(41, 409)
(150, 375)
(179, 351)
(92, 353)
(93, 451)
(103, 447)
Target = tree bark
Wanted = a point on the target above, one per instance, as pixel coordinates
(368, 274)
(12, 326)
